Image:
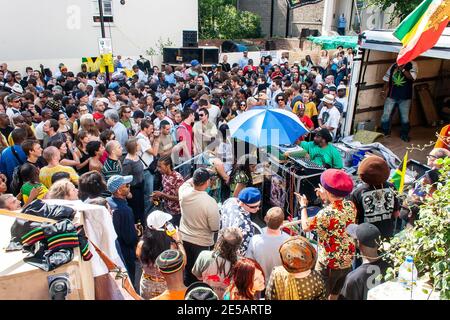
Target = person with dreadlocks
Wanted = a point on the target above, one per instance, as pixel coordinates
(215, 267)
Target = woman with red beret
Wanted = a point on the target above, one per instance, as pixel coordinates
(336, 248)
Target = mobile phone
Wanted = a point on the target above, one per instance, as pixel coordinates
(170, 229)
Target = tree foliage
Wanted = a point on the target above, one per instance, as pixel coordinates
(401, 7)
(429, 241)
(220, 19)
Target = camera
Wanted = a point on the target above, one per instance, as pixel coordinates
(122, 2)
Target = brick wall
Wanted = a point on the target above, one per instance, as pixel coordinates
(261, 8)
(307, 14)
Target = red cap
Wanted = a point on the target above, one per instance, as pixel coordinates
(98, 115)
(337, 182)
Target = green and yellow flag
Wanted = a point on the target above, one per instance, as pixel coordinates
(398, 179)
(422, 28)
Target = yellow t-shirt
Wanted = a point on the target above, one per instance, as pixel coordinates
(46, 173)
(11, 141)
(310, 108)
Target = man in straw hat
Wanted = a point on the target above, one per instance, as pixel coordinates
(375, 198)
(336, 248)
(296, 279)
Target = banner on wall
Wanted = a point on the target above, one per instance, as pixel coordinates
(106, 60)
(92, 63)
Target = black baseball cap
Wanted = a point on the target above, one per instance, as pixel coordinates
(200, 176)
(366, 233)
(138, 114)
(158, 107)
(200, 291)
(325, 133)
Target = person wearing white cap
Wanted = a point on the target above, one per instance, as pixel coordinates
(342, 97)
(123, 220)
(329, 116)
(155, 241)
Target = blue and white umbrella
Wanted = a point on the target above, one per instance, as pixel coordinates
(267, 127)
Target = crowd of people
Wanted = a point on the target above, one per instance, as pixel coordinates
(133, 141)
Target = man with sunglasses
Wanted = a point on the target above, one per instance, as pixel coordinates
(123, 220)
(236, 212)
(13, 105)
(204, 131)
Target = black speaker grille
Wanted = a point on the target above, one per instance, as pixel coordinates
(190, 38)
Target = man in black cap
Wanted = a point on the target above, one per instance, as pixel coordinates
(362, 279)
(200, 291)
(322, 152)
(160, 112)
(83, 98)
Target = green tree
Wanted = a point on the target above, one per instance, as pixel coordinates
(429, 240)
(220, 19)
(401, 7)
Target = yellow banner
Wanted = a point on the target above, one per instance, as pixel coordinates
(106, 60)
(92, 63)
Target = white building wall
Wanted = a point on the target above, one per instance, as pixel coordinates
(54, 31)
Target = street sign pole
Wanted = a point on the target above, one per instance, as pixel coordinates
(102, 27)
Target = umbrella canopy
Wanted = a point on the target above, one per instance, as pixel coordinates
(267, 127)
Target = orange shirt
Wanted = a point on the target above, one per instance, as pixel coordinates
(445, 134)
(171, 295)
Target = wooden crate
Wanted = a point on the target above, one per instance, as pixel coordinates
(22, 281)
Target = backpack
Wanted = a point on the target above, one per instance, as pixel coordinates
(16, 180)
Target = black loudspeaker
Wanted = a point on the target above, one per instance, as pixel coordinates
(170, 55)
(210, 56)
(190, 54)
(186, 55)
(190, 39)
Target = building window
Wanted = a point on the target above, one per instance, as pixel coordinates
(107, 11)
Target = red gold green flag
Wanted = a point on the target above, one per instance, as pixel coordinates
(422, 28)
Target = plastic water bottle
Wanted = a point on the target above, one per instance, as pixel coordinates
(407, 274)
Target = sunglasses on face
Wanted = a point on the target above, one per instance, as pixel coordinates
(201, 115)
(254, 207)
(280, 100)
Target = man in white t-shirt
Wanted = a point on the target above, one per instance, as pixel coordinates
(342, 97)
(149, 149)
(213, 111)
(329, 116)
(264, 248)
